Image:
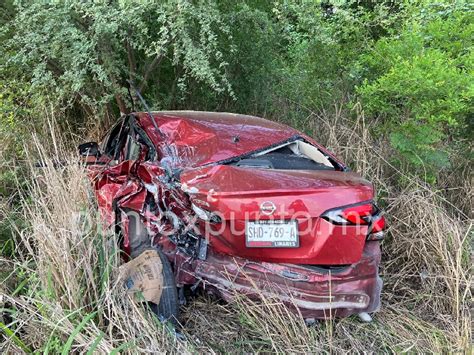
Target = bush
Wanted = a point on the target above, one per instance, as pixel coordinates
(421, 84)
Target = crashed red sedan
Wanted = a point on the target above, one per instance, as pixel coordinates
(238, 204)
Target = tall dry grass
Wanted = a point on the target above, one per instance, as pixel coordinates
(66, 297)
(427, 255)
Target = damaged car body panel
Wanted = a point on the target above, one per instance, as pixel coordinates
(238, 193)
(316, 292)
(238, 201)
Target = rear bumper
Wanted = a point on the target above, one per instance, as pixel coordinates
(316, 293)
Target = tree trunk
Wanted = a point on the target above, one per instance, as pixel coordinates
(124, 110)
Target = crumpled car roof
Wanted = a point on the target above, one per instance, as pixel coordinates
(199, 138)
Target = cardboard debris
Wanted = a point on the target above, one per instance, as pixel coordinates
(143, 277)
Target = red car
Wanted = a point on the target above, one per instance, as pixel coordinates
(236, 204)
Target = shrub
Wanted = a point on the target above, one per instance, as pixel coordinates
(420, 84)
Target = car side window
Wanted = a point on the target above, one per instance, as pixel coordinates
(133, 148)
(128, 141)
(116, 139)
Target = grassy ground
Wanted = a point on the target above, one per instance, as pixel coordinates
(60, 291)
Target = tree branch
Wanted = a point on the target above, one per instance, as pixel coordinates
(132, 64)
(153, 64)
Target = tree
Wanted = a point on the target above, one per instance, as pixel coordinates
(81, 53)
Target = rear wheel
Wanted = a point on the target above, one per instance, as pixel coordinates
(168, 308)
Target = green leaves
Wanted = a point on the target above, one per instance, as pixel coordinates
(83, 52)
(409, 64)
(16, 340)
(420, 84)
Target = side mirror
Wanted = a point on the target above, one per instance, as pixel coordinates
(89, 149)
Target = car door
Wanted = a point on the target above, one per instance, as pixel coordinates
(108, 152)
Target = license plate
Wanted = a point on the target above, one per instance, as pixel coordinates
(271, 234)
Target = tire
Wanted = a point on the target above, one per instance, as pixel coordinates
(168, 308)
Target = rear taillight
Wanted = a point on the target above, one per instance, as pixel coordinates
(378, 224)
(377, 227)
(364, 214)
(358, 214)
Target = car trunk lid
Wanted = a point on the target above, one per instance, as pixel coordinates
(240, 194)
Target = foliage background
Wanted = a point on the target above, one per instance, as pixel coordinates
(409, 64)
(396, 75)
